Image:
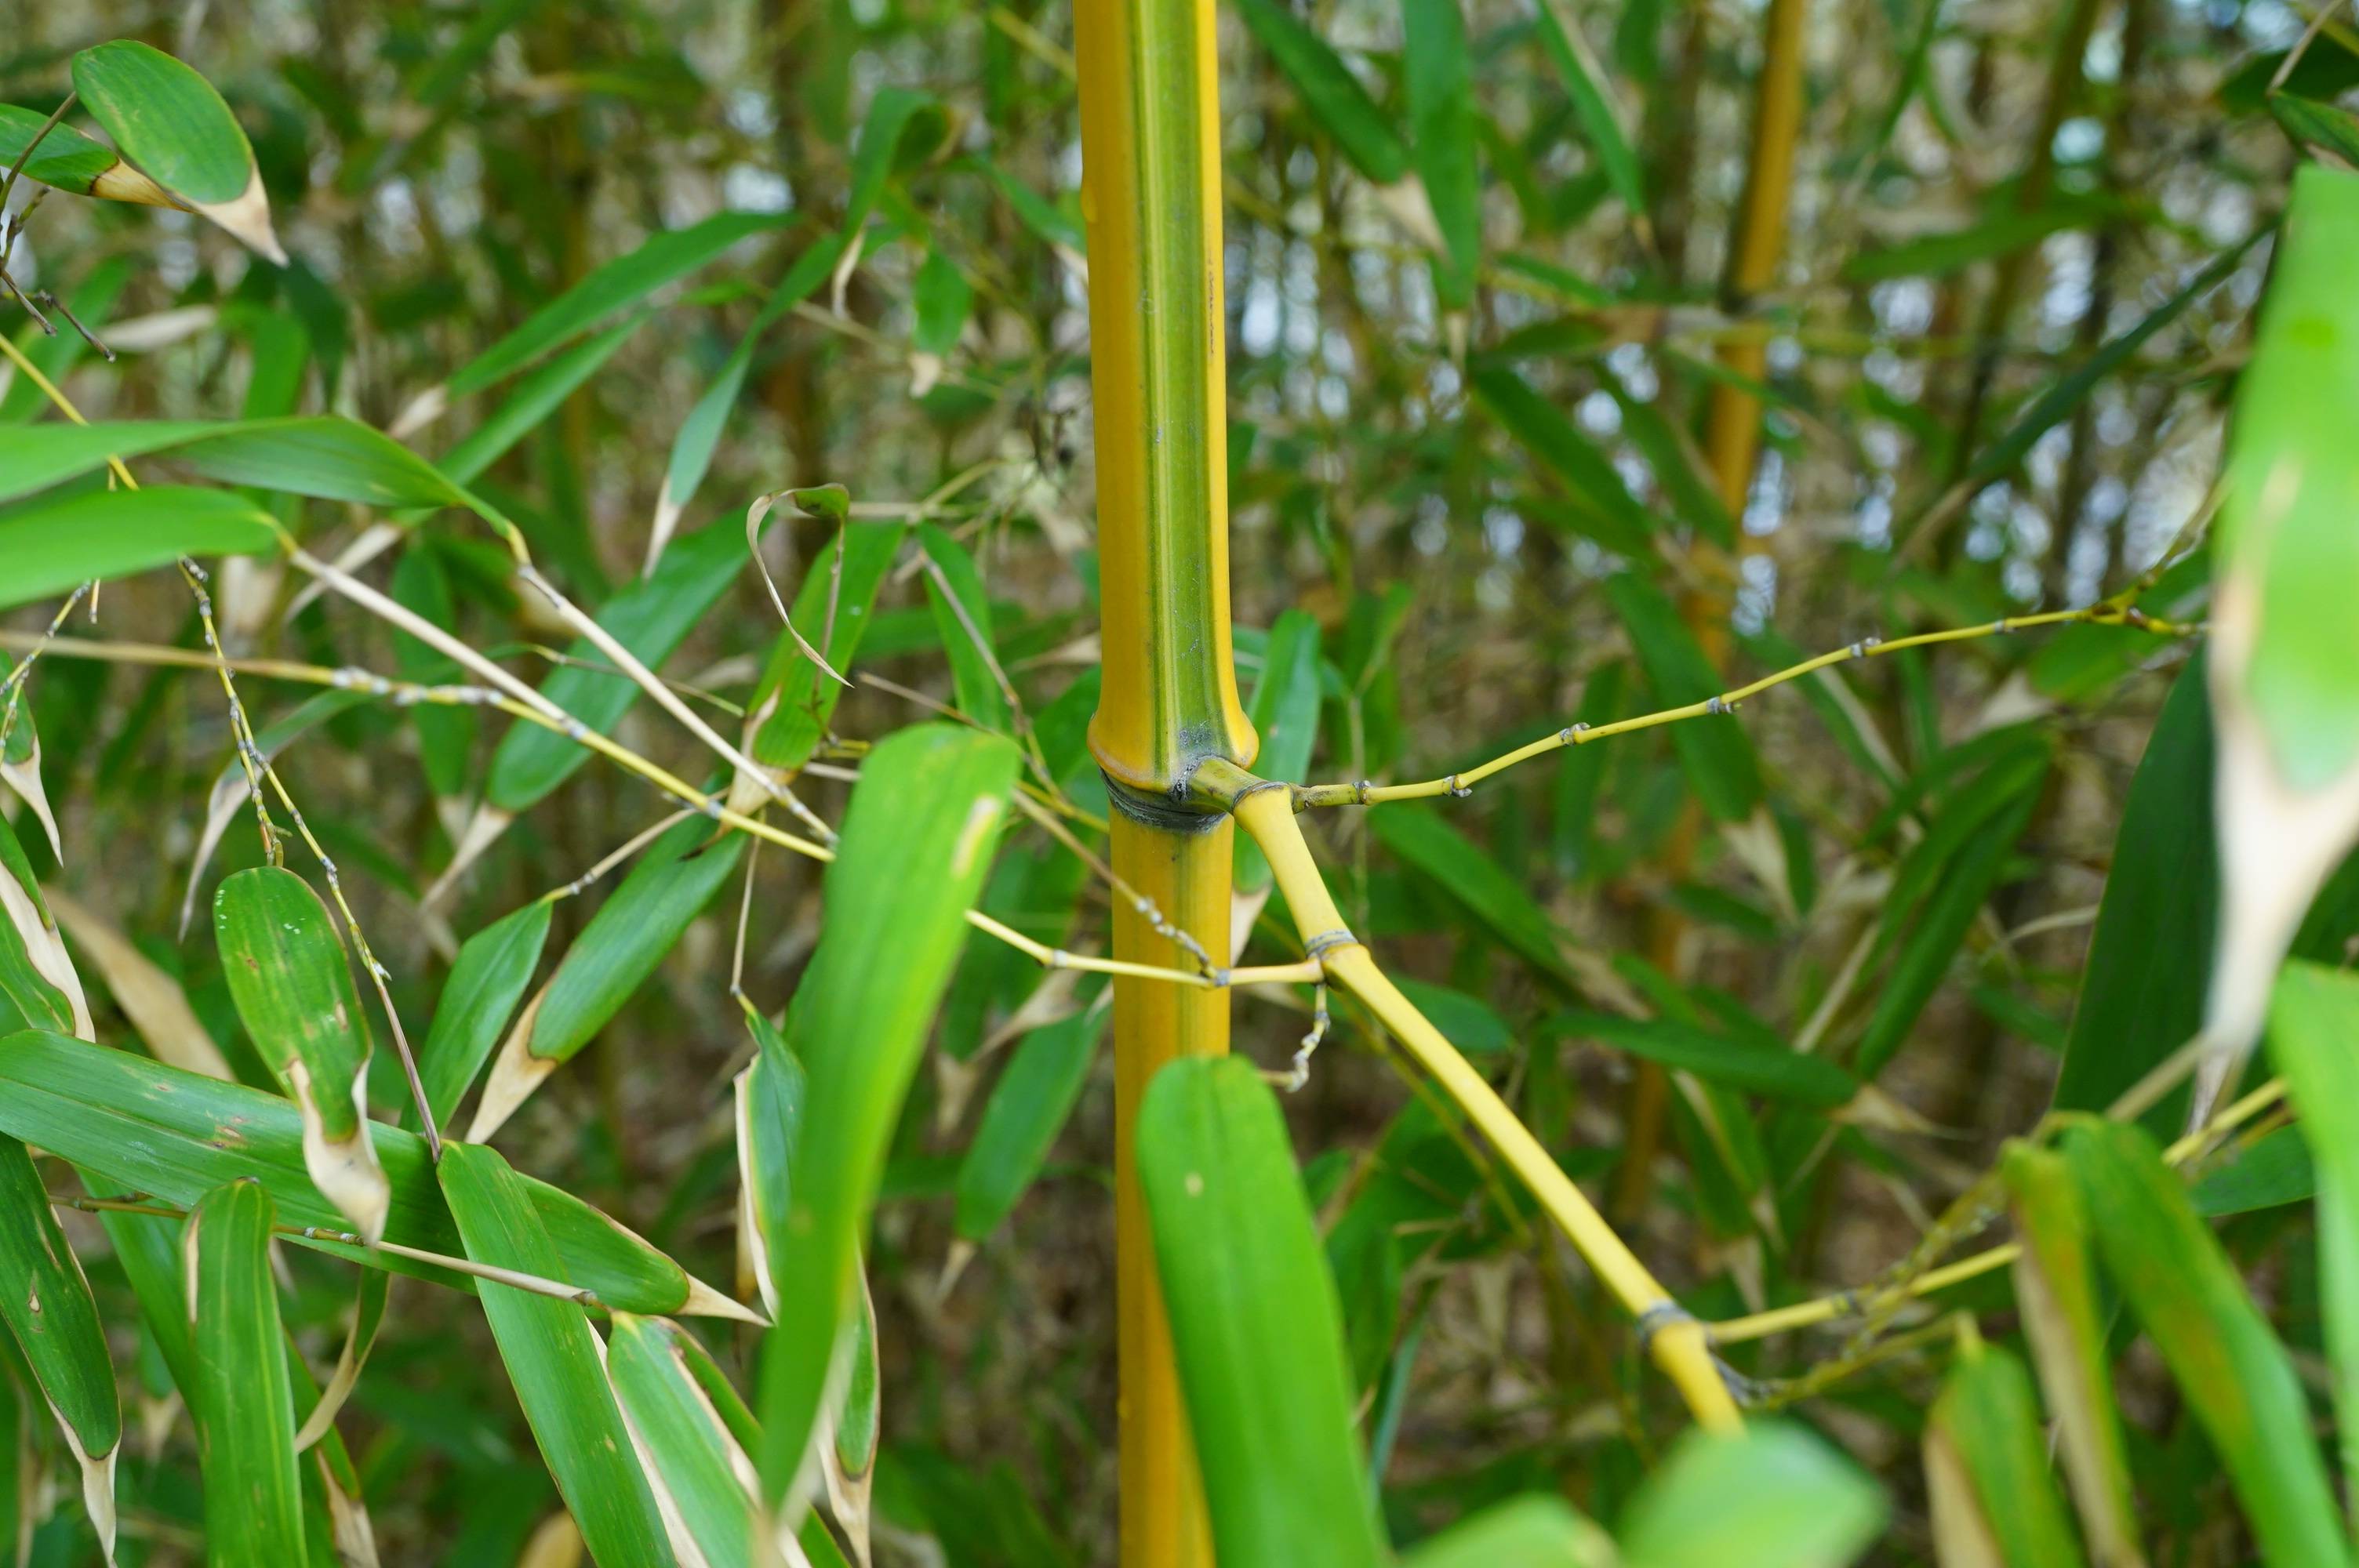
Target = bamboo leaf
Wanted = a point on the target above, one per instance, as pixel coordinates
(939, 295)
(900, 124)
(47, 1304)
(770, 1096)
(49, 549)
(1426, 840)
(1592, 105)
(293, 987)
(962, 615)
(794, 701)
(1775, 1497)
(243, 1401)
(1601, 502)
(1988, 1417)
(1536, 1532)
(553, 1358)
(487, 981)
(689, 1454)
(1715, 755)
(650, 618)
(663, 258)
(1440, 93)
(2057, 1296)
(2326, 126)
(65, 159)
(1789, 1075)
(533, 399)
(1036, 1092)
(629, 936)
(2314, 1020)
(1285, 714)
(2236, 1376)
(2142, 989)
(1334, 96)
(169, 120)
(176, 1136)
(918, 839)
(1255, 1324)
(36, 975)
(2283, 637)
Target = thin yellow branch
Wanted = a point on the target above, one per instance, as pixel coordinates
(1674, 1339)
(2109, 613)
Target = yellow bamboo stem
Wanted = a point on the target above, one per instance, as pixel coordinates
(1674, 1340)
(1164, 1524)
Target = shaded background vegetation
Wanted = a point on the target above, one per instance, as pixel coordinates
(1982, 195)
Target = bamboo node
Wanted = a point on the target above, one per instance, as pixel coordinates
(1326, 942)
(1458, 790)
(1571, 734)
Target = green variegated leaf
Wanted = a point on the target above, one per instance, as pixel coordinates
(553, 1359)
(293, 986)
(243, 1401)
(47, 1305)
(918, 839)
(167, 119)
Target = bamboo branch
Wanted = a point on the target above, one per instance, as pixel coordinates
(2113, 612)
(1673, 1338)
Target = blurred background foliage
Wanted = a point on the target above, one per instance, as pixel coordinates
(1468, 386)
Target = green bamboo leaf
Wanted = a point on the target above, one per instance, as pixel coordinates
(770, 1096)
(2314, 1020)
(794, 699)
(1603, 506)
(1987, 1421)
(2142, 988)
(1285, 714)
(323, 455)
(169, 120)
(37, 974)
(487, 981)
(2057, 1296)
(1255, 1324)
(620, 284)
(918, 839)
(962, 615)
(941, 297)
(553, 1358)
(49, 549)
(1048, 220)
(2055, 405)
(47, 1304)
(1440, 93)
(1714, 754)
(1789, 1076)
(243, 1401)
(446, 732)
(533, 399)
(1775, 1497)
(2325, 126)
(2283, 637)
(65, 159)
(1592, 105)
(177, 1135)
(1426, 840)
(293, 987)
(1036, 1092)
(20, 759)
(1924, 955)
(2002, 233)
(1536, 1532)
(650, 618)
(1334, 96)
(2236, 1376)
(901, 125)
(633, 930)
(700, 433)
(689, 1452)
(2272, 1171)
